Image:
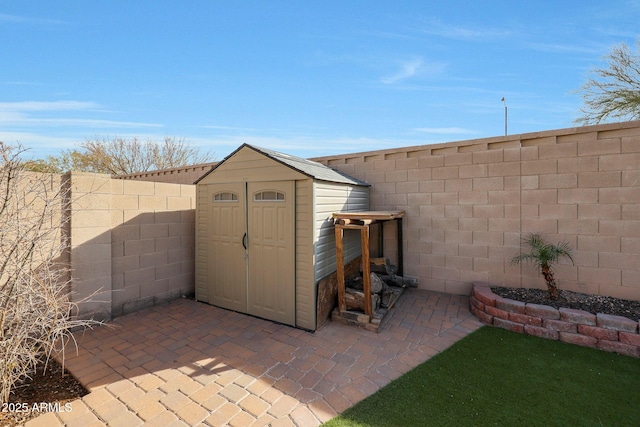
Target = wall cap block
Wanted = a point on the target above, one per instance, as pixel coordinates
(543, 311)
(577, 316)
(619, 323)
(510, 305)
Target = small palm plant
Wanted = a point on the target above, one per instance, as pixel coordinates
(543, 255)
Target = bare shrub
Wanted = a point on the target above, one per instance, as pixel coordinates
(613, 93)
(35, 306)
(123, 156)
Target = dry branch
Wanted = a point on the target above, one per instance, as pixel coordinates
(35, 305)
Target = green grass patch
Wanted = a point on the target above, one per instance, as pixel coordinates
(494, 377)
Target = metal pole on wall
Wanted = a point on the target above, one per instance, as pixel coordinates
(505, 116)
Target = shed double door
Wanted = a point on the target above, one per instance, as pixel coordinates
(251, 261)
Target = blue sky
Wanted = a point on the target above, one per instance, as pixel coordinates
(305, 78)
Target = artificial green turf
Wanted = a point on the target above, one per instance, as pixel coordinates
(494, 377)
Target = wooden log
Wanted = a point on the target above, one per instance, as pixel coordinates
(380, 266)
(328, 291)
(354, 300)
(377, 284)
(400, 281)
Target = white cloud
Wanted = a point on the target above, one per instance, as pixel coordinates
(565, 48)
(19, 83)
(413, 68)
(30, 113)
(48, 106)
(471, 33)
(74, 122)
(17, 19)
(38, 144)
(407, 69)
(12, 119)
(46, 127)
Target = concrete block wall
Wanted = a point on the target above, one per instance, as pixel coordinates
(152, 243)
(183, 175)
(131, 243)
(90, 244)
(36, 211)
(469, 203)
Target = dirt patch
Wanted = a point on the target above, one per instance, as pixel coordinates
(46, 391)
(591, 303)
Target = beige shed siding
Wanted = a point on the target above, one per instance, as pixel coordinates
(305, 284)
(202, 231)
(249, 165)
(330, 198)
(315, 203)
(358, 199)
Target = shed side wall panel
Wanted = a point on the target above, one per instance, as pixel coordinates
(330, 198)
(305, 285)
(202, 232)
(358, 199)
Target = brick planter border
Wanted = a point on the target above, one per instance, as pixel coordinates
(603, 331)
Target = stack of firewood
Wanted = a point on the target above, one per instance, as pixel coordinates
(383, 278)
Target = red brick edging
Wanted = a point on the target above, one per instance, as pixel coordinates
(602, 331)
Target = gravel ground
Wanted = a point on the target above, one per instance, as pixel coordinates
(591, 303)
(45, 387)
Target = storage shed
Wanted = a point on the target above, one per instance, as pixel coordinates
(265, 234)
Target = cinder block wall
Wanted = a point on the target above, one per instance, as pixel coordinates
(90, 244)
(131, 245)
(182, 175)
(152, 243)
(469, 203)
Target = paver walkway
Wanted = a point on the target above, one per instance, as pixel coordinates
(188, 363)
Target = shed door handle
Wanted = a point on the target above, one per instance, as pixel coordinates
(244, 241)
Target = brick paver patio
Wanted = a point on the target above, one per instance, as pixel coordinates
(188, 363)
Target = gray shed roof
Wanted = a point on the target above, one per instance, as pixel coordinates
(310, 168)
